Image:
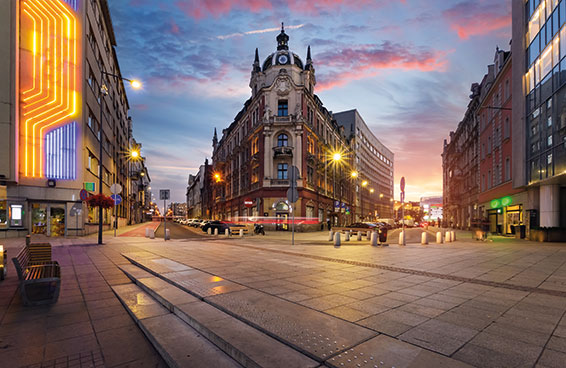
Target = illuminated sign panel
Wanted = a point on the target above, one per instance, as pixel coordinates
(49, 88)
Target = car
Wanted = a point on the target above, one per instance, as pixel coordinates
(204, 222)
(215, 224)
(362, 225)
(196, 223)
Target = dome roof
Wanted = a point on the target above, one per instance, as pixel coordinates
(282, 56)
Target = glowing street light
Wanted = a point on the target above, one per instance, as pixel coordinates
(337, 156)
(371, 190)
(135, 84)
(380, 195)
(354, 174)
(364, 183)
(217, 177)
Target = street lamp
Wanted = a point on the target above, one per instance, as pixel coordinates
(104, 92)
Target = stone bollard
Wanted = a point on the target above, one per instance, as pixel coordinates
(452, 236)
(374, 239)
(151, 234)
(330, 235)
(401, 238)
(215, 231)
(241, 233)
(337, 239)
(347, 236)
(368, 235)
(447, 237)
(167, 234)
(438, 237)
(209, 231)
(424, 238)
(227, 232)
(359, 236)
(147, 232)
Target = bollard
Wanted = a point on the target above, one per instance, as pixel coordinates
(167, 234)
(359, 236)
(452, 236)
(337, 239)
(330, 236)
(147, 232)
(374, 239)
(447, 237)
(368, 235)
(28, 240)
(227, 232)
(438, 237)
(209, 231)
(215, 231)
(424, 238)
(347, 236)
(401, 238)
(151, 233)
(241, 233)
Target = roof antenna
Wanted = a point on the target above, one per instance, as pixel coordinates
(282, 27)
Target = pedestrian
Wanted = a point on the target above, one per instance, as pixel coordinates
(328, 224)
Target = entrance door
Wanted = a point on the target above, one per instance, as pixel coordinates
(39, 218)
(57, 220)
(493, 223)
(281, 221)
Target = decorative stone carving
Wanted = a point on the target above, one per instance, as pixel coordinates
(282, 86)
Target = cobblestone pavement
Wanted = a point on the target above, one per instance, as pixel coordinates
(493, 304)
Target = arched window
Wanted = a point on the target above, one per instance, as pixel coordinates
(282, 140)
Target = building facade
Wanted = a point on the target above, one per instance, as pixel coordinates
(50, 90)
(539, 110)
(460, 169)
(283, 125)
(199, 193)
(372, 161)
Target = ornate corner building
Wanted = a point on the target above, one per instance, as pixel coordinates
(283, 126)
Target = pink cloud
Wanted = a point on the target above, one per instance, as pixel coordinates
(199, 9)
(478, 18)
(369, 60)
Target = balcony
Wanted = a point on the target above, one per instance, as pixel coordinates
(281, 119)
(282, 151)
(280, 182)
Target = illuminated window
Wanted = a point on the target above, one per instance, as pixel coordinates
(534, 25)
(546, 64)
(255, 145)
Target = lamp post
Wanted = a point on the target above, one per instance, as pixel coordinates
(336, 157)
(104, 92)
(364, 184)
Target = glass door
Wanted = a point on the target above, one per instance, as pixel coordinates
(57, 220)
(39, 218)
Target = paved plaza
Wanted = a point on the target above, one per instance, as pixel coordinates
(486, 304)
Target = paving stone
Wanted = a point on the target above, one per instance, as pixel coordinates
(557, 343)
(201, 284)
(384, 351)
(315, 333)
(245, 344)
(138, 303)
(507, 331)
(347, 313)
(181, 345)
(327, 301)
(438, 336)
(429, 312)
(509, 347)
(552, 359)
(134, 271)
(167, 294)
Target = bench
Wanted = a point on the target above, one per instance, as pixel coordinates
(3, 263)
(39, 276)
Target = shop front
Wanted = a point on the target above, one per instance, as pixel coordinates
(505, 216)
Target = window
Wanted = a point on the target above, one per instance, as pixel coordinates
(488, 145)
(310, 212)
(255, 145)
(489, 179)
(483, 183)
(310, 145)
(506, 130)
(282, 108)
(549, 122)
(549, 141)
(507, 169)
(310, 174)
(282, 171)
(282, 140)
(506, 89)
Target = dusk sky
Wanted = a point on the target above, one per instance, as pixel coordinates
(405, 65)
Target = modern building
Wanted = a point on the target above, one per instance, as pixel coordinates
(199, 193)
(53, 93)
(283, 125)
(539, 110)
(373, 162)
(460, 169)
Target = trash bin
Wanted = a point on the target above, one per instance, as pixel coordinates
(383, 235)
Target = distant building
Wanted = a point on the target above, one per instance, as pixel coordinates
(199, 193)
(431, 208)
(178, 209)
(374, 162)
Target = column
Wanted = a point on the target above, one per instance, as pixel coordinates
(549, 205)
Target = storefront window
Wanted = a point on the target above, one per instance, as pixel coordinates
(57, 221)
(38, 218)
(3, 213)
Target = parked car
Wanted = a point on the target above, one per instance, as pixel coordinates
(216, 224)
(362, 225)
(196, 223)
(204, 222)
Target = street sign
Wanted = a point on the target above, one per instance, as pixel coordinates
(116, 188)
(292, 195)
(83, 194)
(294, 174)
(91, 187)
(403, 184)
(164, 194)
(76, 210)
(248, 203)
(117, 199)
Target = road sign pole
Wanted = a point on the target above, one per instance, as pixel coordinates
(165, 219)
(115, 216)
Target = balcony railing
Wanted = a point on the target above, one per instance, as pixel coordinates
(280, 182)
(283, 151)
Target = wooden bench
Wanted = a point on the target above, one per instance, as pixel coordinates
(39, 275)
(3, 262)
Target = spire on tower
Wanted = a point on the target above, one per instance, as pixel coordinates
(282, 39)
(309, 60)
(256, 67)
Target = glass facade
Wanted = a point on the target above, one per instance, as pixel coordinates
(545, 79)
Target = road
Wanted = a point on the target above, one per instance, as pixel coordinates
(178, 231)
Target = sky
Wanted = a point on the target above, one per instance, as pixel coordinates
(405, 65)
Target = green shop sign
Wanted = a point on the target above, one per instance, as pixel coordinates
(501, 202)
